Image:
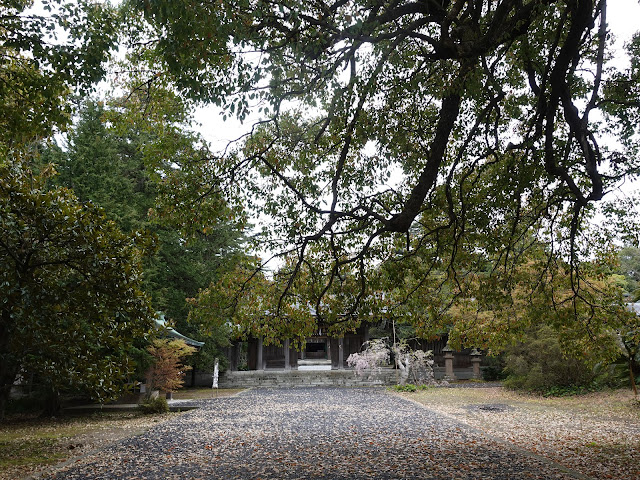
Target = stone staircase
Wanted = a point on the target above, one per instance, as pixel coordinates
(280, 378)
(314, 364)
(314, 373)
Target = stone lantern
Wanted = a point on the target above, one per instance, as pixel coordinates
(448, 363)
(475, 362)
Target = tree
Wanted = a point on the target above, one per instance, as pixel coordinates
(166, 372)
(70, 289)
(46, 54)
(538, 363)
(629, 330)
(629, 336)
(629, 258)
(105, 168)
(454, 129)
(248, 308)
(375, 355)
(414, 365)
(127, 162)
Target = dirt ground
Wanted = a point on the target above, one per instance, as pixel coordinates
(597, 434)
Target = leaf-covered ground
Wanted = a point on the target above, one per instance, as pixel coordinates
(305, 433)
(30, 444)
(596, 434)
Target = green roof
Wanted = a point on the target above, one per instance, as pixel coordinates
(173, 333)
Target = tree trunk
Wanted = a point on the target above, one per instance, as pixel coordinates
(404, 366)
(52, 406)
(7, 377)
(9, 368)
(3, 404)
(632, 377)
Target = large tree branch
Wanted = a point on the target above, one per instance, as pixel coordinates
(448, 115)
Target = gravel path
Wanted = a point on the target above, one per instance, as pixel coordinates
(312, 433)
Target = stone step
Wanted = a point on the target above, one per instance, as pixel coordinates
(346, 377)
(307, 378)
(314, 361)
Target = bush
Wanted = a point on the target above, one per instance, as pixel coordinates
(154, 405)
(614, 375)
(29, 404)
(409, 387)
(538, 365)
(493, 368)
(570, 391)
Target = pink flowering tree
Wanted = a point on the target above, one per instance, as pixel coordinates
(416, 366)
(371, 359)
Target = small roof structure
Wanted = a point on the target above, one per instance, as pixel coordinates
(161, 324)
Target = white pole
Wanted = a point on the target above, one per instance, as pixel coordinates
(215, 375)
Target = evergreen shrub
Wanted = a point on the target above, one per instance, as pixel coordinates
(154, 406)
(537, 364)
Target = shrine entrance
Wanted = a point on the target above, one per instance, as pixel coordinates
(316, 349)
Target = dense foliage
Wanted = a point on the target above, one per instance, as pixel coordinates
(105, 161)
(46, 53)
(441, 141)
(432, 163)
(538, 364)
(70, 284)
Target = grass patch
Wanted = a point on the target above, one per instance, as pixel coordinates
(591, 433)
(606, 403)
(38, 451)
(29, 444)
(410, 387)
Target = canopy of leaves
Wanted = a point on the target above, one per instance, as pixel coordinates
(45, 54)
(445, 131)
(70, 284)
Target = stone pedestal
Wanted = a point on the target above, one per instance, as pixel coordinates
(475, 362)
(448, 363)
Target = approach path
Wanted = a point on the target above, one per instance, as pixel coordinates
(311, 433)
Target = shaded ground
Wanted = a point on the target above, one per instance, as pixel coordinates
(29, 444)
(597, 434)
(205, 393)
(319, 433)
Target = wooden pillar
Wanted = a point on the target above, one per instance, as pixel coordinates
(260, 362)
(287, 358)
(237, 351)
(341, 353)
(328, 340)
(233, 354)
